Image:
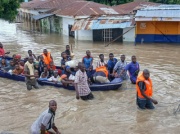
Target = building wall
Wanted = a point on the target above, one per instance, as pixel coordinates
(65, 24)
(130, 35)
(84, 35)
(159, 31)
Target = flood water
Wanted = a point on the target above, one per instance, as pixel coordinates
(111, 112)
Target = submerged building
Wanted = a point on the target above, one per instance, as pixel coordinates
(160, 24)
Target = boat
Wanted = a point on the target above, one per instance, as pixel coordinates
(93, 87)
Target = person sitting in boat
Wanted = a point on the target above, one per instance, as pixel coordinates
(133, 69)
(64, 59)
(101, 75)
(102, 62)
(44, 75)
(111, 63)
(3, 64)
(41, 64)
(18, 70)
(81, 84)
(36, 67)
(51, 69)
(10, 67)
(68, 52)
(87, 60)
(16, 58)
(55, 78)
(47, 58)
(119, 67)
(30, 75)
(30, 54)
(90, 72)
(2, 51)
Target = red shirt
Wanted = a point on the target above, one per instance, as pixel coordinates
(2, 52)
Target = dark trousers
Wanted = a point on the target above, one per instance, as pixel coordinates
(144, 104)
(90, 96)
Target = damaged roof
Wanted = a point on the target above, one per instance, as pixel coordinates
(85, 8)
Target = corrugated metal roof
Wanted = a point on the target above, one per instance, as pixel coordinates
(131, 6)
(158, 13)
(86, 8)
(101, 23)
(41, 16)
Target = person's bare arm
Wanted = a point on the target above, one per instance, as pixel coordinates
(43, 129)
(55, 129)
(77, 92)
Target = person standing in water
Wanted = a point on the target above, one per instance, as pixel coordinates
(30, 54)
(45, 121)
(133, 69)
(30, 75)
(145, 91)
(81, 84)
(87, 60)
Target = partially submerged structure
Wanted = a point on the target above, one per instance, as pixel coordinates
(158, 24)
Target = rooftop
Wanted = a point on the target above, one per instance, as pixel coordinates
(86, 8)
(128, 8)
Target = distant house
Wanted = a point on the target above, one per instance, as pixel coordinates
(158, 24)
(86, 20)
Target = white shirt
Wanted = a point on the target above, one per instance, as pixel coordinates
(53, 78)
(46, 118)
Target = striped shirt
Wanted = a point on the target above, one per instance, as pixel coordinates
(99, 63)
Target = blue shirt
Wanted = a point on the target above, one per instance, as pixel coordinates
(133, 68)
(90, 73)
(87, 61)
(111, 63)
(63, 61)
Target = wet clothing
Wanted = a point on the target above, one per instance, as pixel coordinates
(2, 52)
(46, 118)
(144, 85)
(30, 81)
(133, 69)
(87, 61)
(119, 67)
(88, 97)
(111, 64)
(82, 84)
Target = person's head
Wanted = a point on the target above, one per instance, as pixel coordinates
(45, 51)
(64, 55)
(30, 52)
(30, 60)
(3, 61)
(88, 53)
(56, 73)
(45, 69)
(12, 63)
(76, 68)
(17, 57)
(67, 47)
(123, 57)
(21, 63)
(1, 45)
(68, 69)
(17, 67)
(13, 56)
(36, 72)
(81, 67)
(133, 58)
(146, 74)
(41, 58)
(53, 105)
(111, 56)
(101, 56)
(36, 65)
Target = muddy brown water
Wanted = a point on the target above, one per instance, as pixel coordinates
(111, 112)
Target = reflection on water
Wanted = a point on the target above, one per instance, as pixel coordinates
(111, 112)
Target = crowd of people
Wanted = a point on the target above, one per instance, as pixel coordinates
(42, 68)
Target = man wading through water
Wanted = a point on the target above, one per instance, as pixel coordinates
(30, 75)
(45, 121)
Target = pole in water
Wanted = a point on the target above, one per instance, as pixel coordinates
(177, 110)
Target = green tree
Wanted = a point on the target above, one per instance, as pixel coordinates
(8, 9)
(111, 2)
(166, 1)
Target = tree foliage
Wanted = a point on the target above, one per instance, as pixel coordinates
(166, 1)
(8, 9)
